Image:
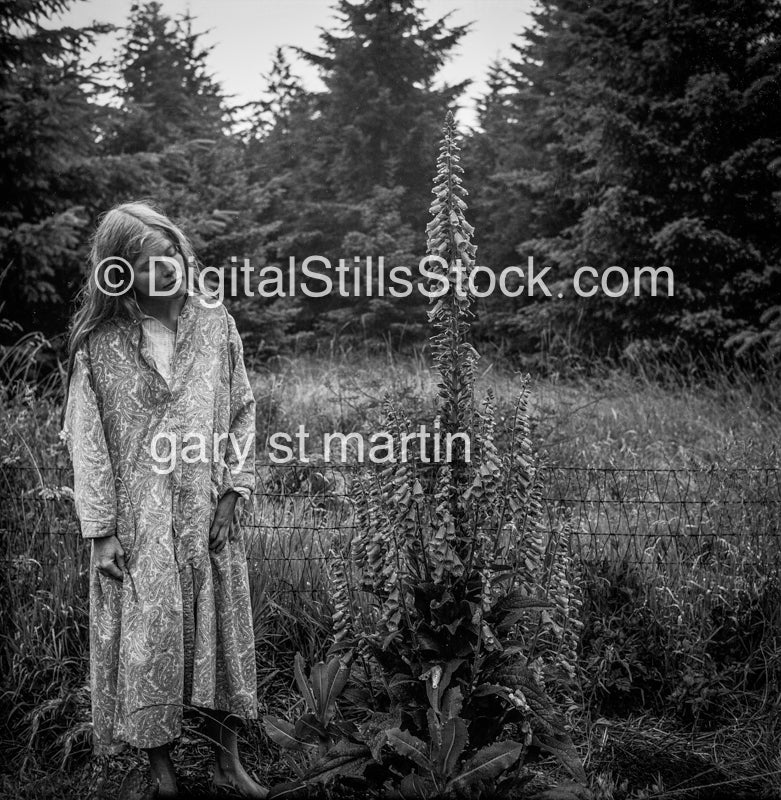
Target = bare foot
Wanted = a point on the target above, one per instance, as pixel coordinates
(163, 776)
(238, 779)
(166, 787)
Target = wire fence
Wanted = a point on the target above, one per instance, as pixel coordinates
(301, 512)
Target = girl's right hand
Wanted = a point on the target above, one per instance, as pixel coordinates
(108, 556)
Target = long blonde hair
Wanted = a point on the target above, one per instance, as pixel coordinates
(120, 236)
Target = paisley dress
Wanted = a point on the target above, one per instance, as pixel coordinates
(178, 629)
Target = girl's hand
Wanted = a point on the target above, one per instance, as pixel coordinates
(109, 556)
(223, 516)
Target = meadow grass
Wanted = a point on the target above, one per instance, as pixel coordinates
(679, 638)
(613, 417)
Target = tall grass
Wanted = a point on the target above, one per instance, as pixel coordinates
(43, 591)
(642, 419)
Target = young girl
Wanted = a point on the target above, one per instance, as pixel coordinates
(154, 364)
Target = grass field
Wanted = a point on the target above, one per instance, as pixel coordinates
(681, 648)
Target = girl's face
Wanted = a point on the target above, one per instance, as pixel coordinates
(159, 272)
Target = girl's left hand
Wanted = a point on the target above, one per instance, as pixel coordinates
(223, 516)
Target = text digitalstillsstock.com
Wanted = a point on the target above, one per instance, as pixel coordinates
(316, 277)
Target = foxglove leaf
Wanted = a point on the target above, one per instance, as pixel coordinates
(409, 746)
(454, 740)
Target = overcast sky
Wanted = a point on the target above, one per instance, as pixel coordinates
(245, 32)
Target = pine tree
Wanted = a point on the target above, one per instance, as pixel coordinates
(165, 87)
(283, 90)
(170, 141)
(380, 111)
(358, 152)
(652, 144)
(46, 134)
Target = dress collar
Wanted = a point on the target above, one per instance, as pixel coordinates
(186, 311)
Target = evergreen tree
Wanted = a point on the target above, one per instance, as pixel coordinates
(165, 87)
(46, 136)
(656, 145)
(283, 89)
(380, 111)
(358, 153)
(169, 141)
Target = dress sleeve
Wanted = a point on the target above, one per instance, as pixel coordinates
(239, 475)
(93, 476)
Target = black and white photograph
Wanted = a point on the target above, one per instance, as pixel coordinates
(390, 399)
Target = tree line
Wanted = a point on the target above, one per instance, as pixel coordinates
(632, 133)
